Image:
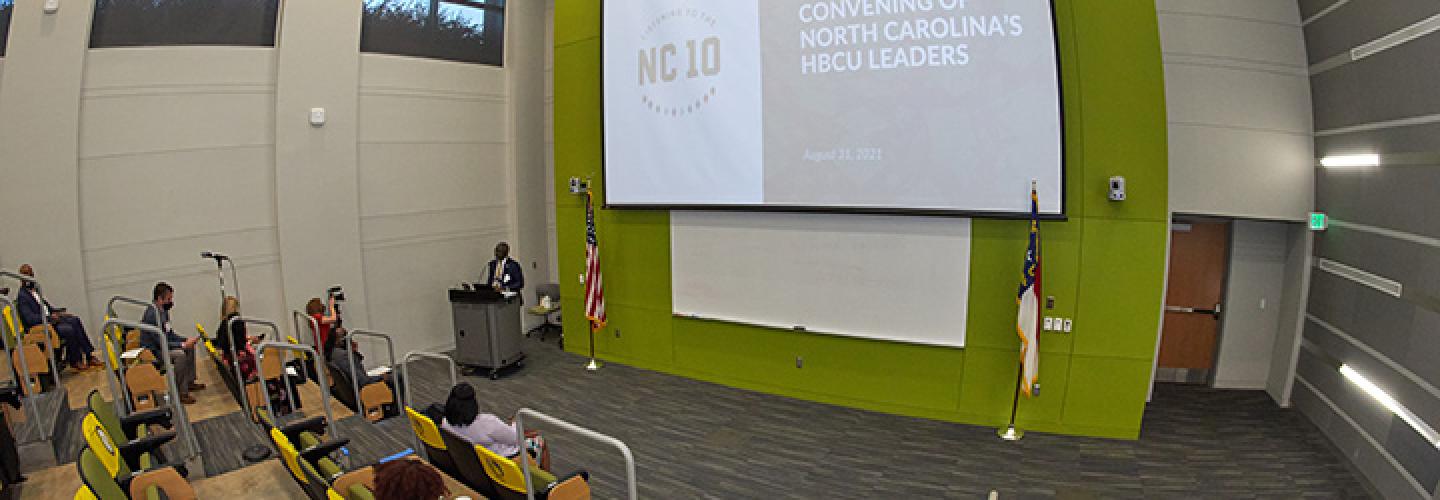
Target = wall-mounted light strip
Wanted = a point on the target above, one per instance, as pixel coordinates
(1408, 33)
(1391, 404)
(1341, 161)
(1323, 12)
(1384, 285)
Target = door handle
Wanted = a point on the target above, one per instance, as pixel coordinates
(1191, 310)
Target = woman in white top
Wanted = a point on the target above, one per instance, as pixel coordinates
(463, 417)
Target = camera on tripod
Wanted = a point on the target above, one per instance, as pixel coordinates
(336, 293)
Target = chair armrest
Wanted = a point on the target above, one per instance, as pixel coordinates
(132, 450)
(168, 480)
(158, 416)
(322, 450)
(313, 424)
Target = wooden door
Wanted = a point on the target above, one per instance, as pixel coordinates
(1192, 300)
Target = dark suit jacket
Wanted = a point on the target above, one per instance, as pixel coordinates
(512, 269)
(31, 313)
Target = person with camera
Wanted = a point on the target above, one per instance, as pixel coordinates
(338, 348)
(182, 350)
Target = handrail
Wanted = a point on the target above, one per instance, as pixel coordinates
(405, 374)
(122, 405)
(191, 443)
(354, 377)
(321, 357)
(44, 320)
(525, 464)
(324, 385)
(10, 358)
(235, 360)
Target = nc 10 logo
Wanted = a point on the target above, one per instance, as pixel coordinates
(664, 63)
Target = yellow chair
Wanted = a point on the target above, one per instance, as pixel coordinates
(509, 480)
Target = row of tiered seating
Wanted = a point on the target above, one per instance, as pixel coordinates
(486, 471)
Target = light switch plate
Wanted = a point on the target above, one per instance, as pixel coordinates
(52, 6)
(317, 116)
(1049, 324)
(1068, 324)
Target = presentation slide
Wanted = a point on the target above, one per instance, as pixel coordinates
(943, 105)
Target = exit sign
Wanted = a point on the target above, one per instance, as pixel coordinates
(1319, 221)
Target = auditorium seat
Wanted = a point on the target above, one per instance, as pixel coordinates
(509, 480)
(430, 440)
(115, 468)
(470, 470)
(33, 369)
(129, 428)
(147, 386)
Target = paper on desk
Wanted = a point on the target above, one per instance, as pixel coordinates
(378, 371)
(290, 370)
(131, 354)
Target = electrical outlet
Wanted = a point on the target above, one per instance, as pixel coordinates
(582, 278)
(799, 361)
(1050, 302)
(617, 333)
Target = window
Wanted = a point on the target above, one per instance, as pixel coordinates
(130, 23)
(6, 7)
(470, 31)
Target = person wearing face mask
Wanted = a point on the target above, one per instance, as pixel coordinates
(504, 274)
(182, 350)
(35, 310)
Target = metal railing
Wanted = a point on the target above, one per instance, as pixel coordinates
(117, 346)
(523, 413)
(350, 352)
(287, 348)
(235, 360)
(405, 374)
(192, 445)
(315, 342)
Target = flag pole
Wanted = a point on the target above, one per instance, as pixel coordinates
(593, 365)
(1010, 432)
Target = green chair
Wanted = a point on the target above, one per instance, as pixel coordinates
(132, 428)
(105, 468)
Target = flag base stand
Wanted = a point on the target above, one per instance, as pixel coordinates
(1010, 433)
(593, 365)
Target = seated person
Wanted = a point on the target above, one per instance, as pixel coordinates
(463, 417)
(79, 353)
(338, 355)
(244, 345)
(182, 350)
(324, 316)
(406, 479)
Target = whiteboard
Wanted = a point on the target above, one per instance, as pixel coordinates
(897, 278)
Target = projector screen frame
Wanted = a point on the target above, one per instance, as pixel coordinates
(1062, 216)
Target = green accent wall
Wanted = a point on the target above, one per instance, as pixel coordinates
(1105, 265)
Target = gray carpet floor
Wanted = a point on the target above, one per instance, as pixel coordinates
(694, 439)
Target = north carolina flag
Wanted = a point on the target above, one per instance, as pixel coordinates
(1027, 325)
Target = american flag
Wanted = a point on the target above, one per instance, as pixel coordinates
(594, 287)
(1027, 324)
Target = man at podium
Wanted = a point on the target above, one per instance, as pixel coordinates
(504, 274)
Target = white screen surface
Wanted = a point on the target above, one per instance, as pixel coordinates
(897, 278)
(943, 105)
